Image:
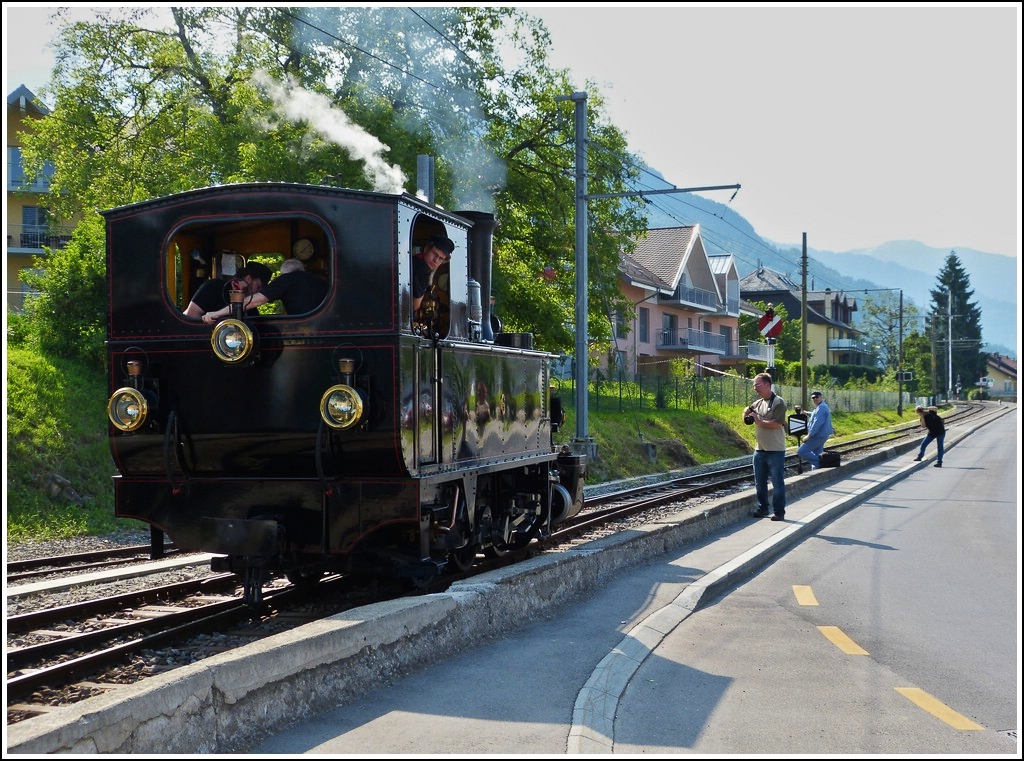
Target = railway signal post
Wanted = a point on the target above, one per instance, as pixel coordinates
(770, 326)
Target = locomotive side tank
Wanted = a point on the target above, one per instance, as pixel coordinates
(356, 437)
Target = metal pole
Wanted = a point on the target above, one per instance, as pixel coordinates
(899, 374)
(935, 364)
(582, 355)
(803, 330)
(949, 342)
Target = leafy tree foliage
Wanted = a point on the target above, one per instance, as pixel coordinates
(918, 360)
(144, 107)
(787, 346)
(883, 318)
(69, 311)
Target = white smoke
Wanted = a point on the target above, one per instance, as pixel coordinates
(297, 104)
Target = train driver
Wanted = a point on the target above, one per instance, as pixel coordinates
(435, 253)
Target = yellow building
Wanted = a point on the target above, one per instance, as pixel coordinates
(30, 232)
(1001, 381)
(831, 337)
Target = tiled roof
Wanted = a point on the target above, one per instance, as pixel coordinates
(637, 274)
(1006, 365)
(663, 251)
(764, 279)
(780, 288)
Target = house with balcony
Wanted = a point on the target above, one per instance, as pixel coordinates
(686, 304)
(831, 337)
(30, 231)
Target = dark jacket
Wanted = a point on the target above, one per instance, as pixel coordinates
(298, 291)
(934, 423)
(421, 273)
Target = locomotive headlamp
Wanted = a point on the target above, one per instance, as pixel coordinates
(341, 407)
(232, 341)
(127, 409)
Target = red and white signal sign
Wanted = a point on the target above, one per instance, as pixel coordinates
(770, 325)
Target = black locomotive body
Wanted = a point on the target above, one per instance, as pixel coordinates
(358, 437)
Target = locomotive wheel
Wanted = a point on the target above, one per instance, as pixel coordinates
(464, 557)
(493, 551)
(304, 577)
(518, 542)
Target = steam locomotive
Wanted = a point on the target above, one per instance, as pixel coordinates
(361, 437)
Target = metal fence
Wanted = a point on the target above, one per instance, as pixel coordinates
(701, 393)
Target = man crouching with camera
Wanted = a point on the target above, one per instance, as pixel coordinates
(768, 414)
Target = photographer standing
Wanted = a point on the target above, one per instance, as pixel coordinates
(768, 414)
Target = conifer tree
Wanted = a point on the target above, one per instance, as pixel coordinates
(955, 322)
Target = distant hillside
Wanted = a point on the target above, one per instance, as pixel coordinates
(909, 265)
(914, 267)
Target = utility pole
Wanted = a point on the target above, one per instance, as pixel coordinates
(899, 345)
(803, 328)
(899, 372)
(935, 371)
(583, 441)
(949, 341)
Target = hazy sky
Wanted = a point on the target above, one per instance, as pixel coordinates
(857, 124)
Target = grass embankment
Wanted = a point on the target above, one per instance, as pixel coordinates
(57, 429)
(684, 438)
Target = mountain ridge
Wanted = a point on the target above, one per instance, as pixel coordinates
(907, 265)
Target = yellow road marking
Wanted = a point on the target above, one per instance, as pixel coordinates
(836, 636)
(937, 708)
(804, 595)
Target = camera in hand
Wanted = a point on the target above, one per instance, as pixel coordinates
(748, 418)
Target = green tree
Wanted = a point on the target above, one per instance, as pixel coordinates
(69, 309)
(956, 324)
(787, 345)
(883, 318)
(917, 360)
(143, 108)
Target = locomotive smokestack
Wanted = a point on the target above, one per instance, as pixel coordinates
(481, 237)
(425, 177)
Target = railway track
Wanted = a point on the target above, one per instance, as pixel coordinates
(83, 562)
(61, 654)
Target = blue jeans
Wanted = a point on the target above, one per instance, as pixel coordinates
(928, 440)
(770, 465)
(811, 449)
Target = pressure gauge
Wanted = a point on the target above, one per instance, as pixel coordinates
(303, 249)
